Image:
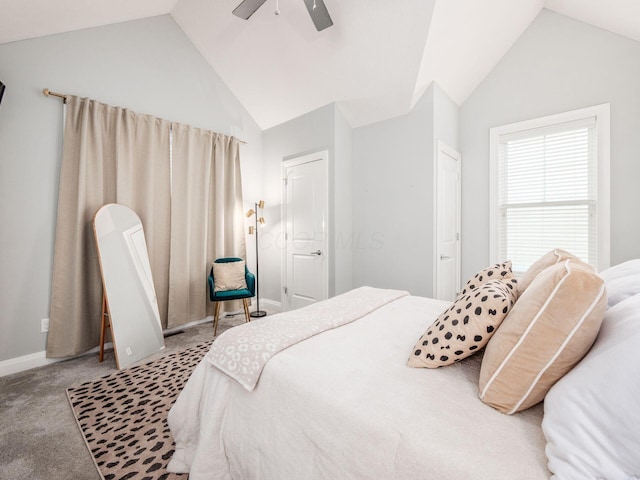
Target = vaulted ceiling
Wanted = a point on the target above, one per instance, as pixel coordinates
(375, 62)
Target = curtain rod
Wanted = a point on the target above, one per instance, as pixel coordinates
(49, 93)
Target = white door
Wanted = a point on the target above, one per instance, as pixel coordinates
(305, 207)
(447, 261)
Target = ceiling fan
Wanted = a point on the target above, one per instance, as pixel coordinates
(317, 11)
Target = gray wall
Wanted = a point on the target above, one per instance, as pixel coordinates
(446, 115)
(381, 193)
(322, 129)
(343, 204)
(557, 65)
(148, 66)
(393, 201)
(393, 191)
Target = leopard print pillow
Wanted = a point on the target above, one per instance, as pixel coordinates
(465, 327)
(499, 271)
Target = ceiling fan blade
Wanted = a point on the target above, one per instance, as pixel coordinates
(247, 8)
(319, 14)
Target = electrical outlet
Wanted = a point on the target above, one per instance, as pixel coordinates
(44, 325)
(129, 351)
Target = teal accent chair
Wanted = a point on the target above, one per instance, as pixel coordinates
(243, 294)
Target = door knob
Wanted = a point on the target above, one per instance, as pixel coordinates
(317, 252)
(444, 257)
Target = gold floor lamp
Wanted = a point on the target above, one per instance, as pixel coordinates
(259, 221)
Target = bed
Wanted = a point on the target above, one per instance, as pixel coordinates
(342, 403)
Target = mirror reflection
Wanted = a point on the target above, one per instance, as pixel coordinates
(127, 282)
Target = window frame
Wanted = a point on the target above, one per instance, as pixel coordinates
(602, 194)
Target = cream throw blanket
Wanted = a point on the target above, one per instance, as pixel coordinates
(242, 352)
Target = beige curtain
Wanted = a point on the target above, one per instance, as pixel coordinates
(207, 220)
(113, 155)
(110, 155)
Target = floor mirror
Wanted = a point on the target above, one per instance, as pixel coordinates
(130, 308)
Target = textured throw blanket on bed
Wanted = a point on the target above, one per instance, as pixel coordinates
(243, 351)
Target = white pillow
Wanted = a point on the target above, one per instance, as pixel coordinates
(592, 415)
(622, 281)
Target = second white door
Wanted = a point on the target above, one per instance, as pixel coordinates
(447, 261)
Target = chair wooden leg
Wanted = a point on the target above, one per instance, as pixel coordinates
(245, 303)
(216, 314)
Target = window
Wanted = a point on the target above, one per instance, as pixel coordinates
(550, 188)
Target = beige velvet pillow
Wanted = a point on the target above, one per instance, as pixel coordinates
(465, 327)
(229, 276)
(548, 331)
(551, 258)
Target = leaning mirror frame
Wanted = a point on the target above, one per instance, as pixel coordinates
(130, 307)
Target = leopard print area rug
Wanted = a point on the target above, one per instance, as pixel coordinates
(123, 416)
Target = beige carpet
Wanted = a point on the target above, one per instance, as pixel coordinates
(39, 438)
(123, 416)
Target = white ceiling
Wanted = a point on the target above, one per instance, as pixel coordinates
(375, 62)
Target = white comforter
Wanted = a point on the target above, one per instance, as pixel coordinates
(344, 405)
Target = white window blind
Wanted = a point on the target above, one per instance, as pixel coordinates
(547, 192)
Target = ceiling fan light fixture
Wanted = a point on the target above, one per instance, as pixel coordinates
(317, 10)
(319, 14)
(247, 8)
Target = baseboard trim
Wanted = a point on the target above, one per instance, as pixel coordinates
(26, 362)
(39, 359)
(271, 303)
(186, 325)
